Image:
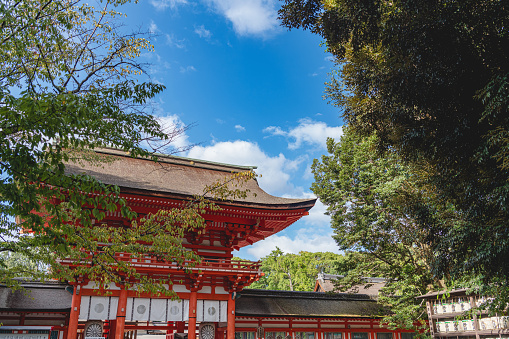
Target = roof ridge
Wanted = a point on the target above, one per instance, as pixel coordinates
(191, 161)
(308, 294)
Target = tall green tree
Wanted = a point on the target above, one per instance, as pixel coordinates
(295, 272)
(69, 83)
(431, 78)
(377, 207)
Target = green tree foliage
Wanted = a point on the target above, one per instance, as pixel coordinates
(376, 207)
(68, 84)
(295, 272)
(431, 78)
(20, 265)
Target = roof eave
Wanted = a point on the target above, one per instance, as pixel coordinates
(304, 204)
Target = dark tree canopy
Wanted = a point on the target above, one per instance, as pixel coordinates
(377, 213)
(431, 78)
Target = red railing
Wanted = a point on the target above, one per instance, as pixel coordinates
(207, 265)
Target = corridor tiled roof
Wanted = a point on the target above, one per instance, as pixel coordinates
(53, 297)
(306, 304)
(49, 296)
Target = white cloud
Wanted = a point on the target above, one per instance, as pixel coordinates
(187, 69)
(317, 216)
(174, 42)
(305, 240)
(202, 32)
(161, 5)
(308, 173)
(240, 128)
(274, 170)
(152, 28)
(314, 133)
(249, 17)
(174, 127)
(173, 122)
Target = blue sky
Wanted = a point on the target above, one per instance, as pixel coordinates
(254, 91)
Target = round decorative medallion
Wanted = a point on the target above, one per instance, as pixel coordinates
(99, 308)
(211, 311)
(174, 310)
(207, 331)
(94, 329)
(141, 309)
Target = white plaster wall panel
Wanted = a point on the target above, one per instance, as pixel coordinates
(223, 311)
(98, 308)
(244, 325)
(214, 251)
(175, 310)
(221, 290)
(332, 326)
(158, 310)
(85, 304)
(185, 311)
(129, 309)
(113, 308)
(180, 288)
(141, 309)
(206, 289)
(112, 287)
(35, 322)
(199, 310)
(93, 286)
(211, 309)
(90, 286)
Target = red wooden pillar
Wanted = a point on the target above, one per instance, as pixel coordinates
(180, 326)
(191, 328)
(218, 333)
(72, 329)
(66, 328)
(113, 326)
(121, 309)
(230, 329)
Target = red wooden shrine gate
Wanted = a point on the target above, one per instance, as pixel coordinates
(207, 292)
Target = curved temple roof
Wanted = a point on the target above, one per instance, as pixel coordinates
(173, 176)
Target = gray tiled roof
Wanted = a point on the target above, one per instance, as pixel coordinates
(175, 176)
(305, 304)
(36, 297)
(53, 297)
